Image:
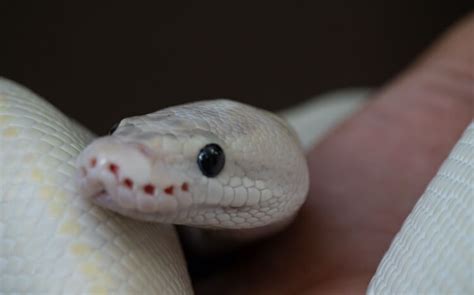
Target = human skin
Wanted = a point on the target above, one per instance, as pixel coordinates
(366, 176)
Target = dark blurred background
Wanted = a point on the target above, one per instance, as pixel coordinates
(104, 60)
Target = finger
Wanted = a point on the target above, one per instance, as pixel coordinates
(411, 126)
(369, 173)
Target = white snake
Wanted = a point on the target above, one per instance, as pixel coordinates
(55, 241)
(208, 164)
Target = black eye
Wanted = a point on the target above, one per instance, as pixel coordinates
(211, 160)
(114, 127)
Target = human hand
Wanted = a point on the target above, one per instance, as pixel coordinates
(366, 176)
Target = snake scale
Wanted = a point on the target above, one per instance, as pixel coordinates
(55, 241)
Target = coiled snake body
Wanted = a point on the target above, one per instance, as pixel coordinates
(215, 164)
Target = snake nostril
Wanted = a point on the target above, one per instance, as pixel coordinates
(145, 150)
(83, 172)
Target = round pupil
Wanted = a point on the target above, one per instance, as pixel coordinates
(211, 160)
(114, 127)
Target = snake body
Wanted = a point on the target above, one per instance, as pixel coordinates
(52, 240)
(55, 240)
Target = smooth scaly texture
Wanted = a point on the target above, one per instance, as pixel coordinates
(51, 240)
(434, 251)
(141, 169)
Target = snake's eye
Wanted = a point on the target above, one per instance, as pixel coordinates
(211, 160)
(114, 127)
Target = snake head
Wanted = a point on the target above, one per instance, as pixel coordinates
(218, 164)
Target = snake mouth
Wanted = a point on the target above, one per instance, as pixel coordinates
(107, 188)
(135, 207)
(104, 185)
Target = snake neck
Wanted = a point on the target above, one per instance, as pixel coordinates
(204, 242)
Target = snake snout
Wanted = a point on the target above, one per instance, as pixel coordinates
(116, 172)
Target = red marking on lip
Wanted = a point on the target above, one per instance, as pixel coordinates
(128, 183)
(185, 187)
(113, 168)
(149, 189)
(169, 190)
(93, 162)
